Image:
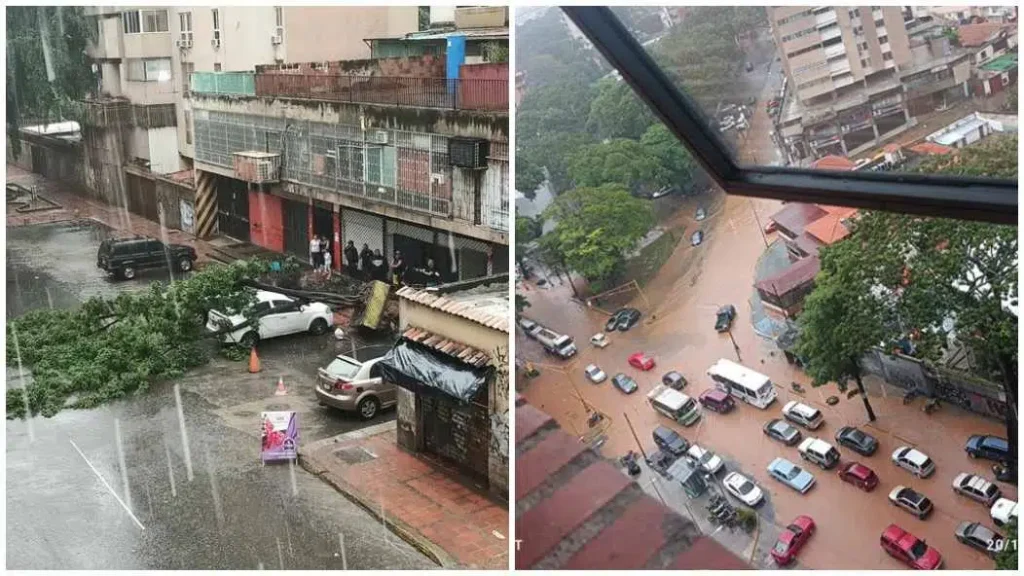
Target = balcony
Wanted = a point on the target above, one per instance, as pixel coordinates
(456, 94)
(824, 18)
(830, 33)
(835, 50)
(224, 83)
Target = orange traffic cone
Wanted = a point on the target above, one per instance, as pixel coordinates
(281, 391)
(254, 361)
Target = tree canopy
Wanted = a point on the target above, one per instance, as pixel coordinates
(617, 112)
(48, 72)
(621, 161)
(595, 227)
(529, 176)
(110, 348)
(678, 168)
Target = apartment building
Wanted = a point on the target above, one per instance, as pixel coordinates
(403, 147)
(856, 78)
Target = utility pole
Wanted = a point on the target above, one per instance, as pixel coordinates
(758, 220)
(735, 347)
(633, 432)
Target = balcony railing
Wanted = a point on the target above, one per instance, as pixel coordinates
(224, 83)
(456, 94)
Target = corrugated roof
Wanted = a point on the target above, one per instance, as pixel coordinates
(809, 244)
(978, 34)
(928, 148)
(470, 33)
(799, 274)
(462, 352)
(1004, 63)
(795, 217)
(576, 511)
(487, 307)
(833, 163)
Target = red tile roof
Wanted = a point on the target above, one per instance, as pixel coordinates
(798, 274)
(452, 348)
(574, 510)
(795, 217)
(974, 35)
(927, 148)
(833, 163)
(830, 228)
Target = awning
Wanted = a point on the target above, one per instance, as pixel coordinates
(424, 370)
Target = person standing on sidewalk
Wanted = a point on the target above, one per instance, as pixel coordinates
(397, 269)
(314, 252)
(379, 267)
(327, 265)
(352, 257)
(366, 261)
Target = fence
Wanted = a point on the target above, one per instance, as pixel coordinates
(225, 83)
(454, 94)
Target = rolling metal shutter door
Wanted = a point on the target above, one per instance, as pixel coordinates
(457, 432)
(362, 228)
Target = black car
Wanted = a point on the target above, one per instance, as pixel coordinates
(126, 256)
(674, 380)
(629, 318)
(668, 440)
(724, 317)
(613, 322)
(782, 431)
(857, 440)
(979, 537)
(624, 383)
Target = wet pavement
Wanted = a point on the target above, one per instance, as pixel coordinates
(677, 328)
(77, 501)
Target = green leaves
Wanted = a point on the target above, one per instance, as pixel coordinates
(111, 348)
(618, 112)
(1007, 558)
(529, 176)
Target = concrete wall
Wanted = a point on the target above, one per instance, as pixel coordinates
(163, 150)
(149, 45)
(323, 33)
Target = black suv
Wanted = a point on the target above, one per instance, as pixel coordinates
(124, 257)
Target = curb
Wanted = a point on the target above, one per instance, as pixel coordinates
(398, 527)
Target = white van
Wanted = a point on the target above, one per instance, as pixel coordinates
(674, 404)
(743, 383)
(820, 452)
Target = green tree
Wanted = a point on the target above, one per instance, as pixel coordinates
(529, 176)
(521, 304)
(595, 227)
(548, 52)
(48, 72)
(527, 230)
(110, 348)
(1006, 559)
(617, 112)
(621, 161)
(1011, 99)
(678, 166)
(553, 151)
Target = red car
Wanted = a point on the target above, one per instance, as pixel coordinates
(792, 539)
(859, 475)
(641, 361)
(909, 549)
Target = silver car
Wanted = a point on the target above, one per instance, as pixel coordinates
(353, 386)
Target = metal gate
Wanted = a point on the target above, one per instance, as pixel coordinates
(296, 228)
(233, 209)
(362, 228)
(456, 432)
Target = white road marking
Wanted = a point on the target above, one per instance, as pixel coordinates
(109, 489)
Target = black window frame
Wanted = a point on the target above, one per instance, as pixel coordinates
(965, 198)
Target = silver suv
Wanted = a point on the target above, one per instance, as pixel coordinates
(976, 488)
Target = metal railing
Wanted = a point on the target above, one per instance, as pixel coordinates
(223, 83)
(455, 94)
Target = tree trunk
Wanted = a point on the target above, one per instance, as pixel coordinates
(44, 39)
(1009, 368)
(863, 392)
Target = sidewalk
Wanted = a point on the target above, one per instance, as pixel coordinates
(443, 519)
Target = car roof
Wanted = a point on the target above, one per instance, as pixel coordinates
(860, 470)
(714, 393)
(916, 456)
(591, 367)
(266, 296)
(816, 444)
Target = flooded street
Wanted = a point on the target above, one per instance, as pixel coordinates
(121, 487)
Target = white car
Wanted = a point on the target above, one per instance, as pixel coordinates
(595, 374)
(275, 315)
(600, 340)
(743, 489)
(913, 461)
(708, 460)
(1003, 511)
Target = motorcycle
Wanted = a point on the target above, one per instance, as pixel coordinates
(630, 464)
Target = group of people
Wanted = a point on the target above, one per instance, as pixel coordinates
(320, 255)
(371, 264)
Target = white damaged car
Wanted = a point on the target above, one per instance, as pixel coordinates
(275, 315)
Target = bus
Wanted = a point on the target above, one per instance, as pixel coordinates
(743, 383)
(674, 404)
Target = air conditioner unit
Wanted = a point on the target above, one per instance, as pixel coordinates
(184, 43)
(468, 153)
(215, 42)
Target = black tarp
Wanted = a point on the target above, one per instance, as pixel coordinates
(424, 370)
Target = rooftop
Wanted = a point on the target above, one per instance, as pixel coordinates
(830, 228)
(976, 35)
(484, 304)
(799, 274)
(1004, 63)
(833, 163)
(795, 217)
(469, 33)
(930, 148)
(457, 350)
(576, 511)
(957, 131)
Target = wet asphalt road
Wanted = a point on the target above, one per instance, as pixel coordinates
(210, 507)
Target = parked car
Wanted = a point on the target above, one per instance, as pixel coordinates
(700, 215)
(595, 374)
(976, 488)
(674, 380)
(641, 361)
(124, 257)
(629, 318)
(613, 320)
(857, 440)
(717, 400)
(988, 447)
(696, 238)
(600, 341)
(912, 501)
(792, 539)
(624, 383)
(1003, 511)
(706, 459)
(910, 549)
(353, 386)
(820, 452)
(791, 475)
(859, 475)
(913, 461)
(803, 415)
(724, 317)
(979, 537)
(668, 440)
(274, 315)
(782, 431)
(529, 326)
(742, 488)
